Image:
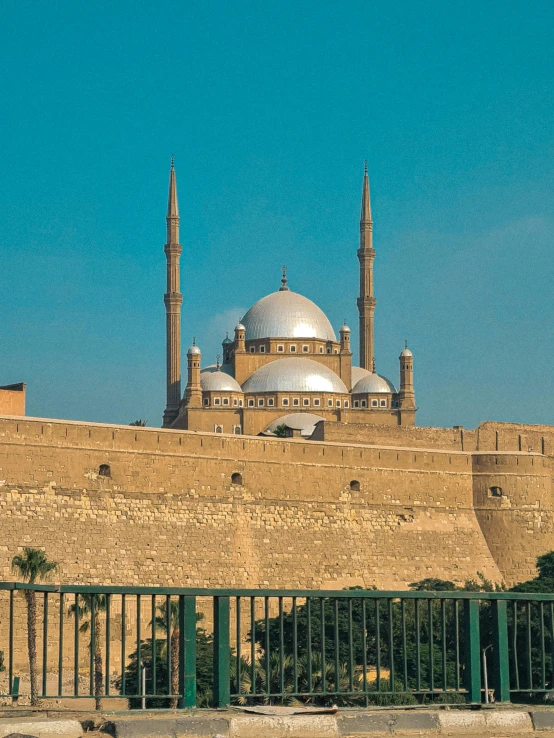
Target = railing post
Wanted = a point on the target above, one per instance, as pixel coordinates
(501, 663)
(187, 651)
(472, 651)
(15, 691)
(222, 652)
(189, 692)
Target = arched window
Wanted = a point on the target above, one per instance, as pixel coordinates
(236, 478)
(495, 491)
(104, 470)
(354, 486)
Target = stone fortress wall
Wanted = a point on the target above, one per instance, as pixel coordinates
(308, 514)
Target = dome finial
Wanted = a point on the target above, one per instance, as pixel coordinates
(194, 340)
(172, 161)
(373, 366)
(217, 362)
(405, 343)
(283, 287)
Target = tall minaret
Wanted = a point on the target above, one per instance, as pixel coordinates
(173, 300)
(366, 300)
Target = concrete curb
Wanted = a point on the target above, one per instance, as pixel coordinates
(349, 724)
(41, 727)
(511, 721)
(543, 719)
(386, 722)
(293, 726)
(345, 724)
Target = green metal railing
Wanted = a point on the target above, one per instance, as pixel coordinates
(161, 647)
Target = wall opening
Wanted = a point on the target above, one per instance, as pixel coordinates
(354, 486)
(495, 491)
(236, 478)
(104, 470)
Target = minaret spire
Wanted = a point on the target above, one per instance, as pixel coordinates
(366, 300)
(365, 216)
(173, 300)
(172, 218)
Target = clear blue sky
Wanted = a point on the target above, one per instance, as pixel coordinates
(270, 110)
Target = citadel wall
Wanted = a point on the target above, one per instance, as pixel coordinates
(446, 439)
(170, 513)
(513, 504)
(516, 437)
(488, 436)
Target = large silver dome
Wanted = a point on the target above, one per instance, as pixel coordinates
(286, 314)
(373, 383)
(294, 375)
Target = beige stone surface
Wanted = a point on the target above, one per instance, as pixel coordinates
(41, 727)
(307, 514)
(298, 726)
(169, 514)
(12, 399)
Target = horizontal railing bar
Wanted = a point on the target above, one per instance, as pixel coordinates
(111, 696)
(301, 593)
(329, 692)
(36, 587)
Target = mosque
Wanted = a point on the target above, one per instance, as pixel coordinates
(342, 490)
(284, 371)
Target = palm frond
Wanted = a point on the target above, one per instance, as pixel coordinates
(33, 565)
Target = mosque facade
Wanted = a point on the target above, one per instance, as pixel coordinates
(284, 371)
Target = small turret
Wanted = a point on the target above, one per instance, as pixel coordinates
(240, 339)
(406, 394)
(345, 339)
(193, 392)
(226, 345)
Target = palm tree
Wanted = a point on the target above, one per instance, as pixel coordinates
(174, 635)
(84, 610)
(32, 566)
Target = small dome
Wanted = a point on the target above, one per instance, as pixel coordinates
(304, 422)
(219, 382)
(286, 314)
(345, 329)
(226, 341)
(406, 352)
(240, 327)
(358, 373)
(294, 375)
(193, 350)
(373, 383)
